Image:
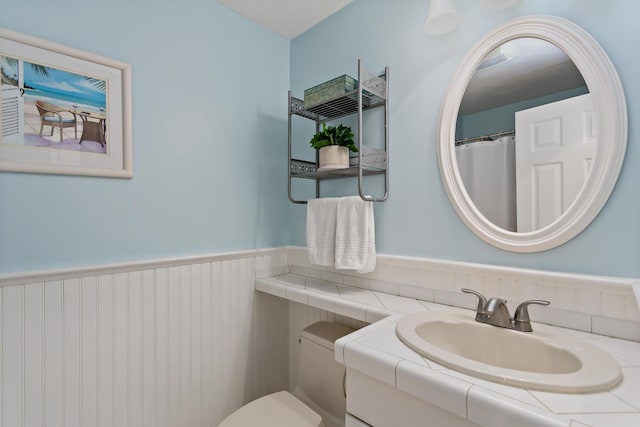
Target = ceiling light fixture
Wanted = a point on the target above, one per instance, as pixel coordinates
(443, 17)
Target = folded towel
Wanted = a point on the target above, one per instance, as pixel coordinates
(355, 245)
(321, 230)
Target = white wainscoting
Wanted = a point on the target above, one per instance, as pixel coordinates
(168, 343)
(186, 341)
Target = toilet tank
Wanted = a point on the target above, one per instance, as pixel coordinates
(320, 377)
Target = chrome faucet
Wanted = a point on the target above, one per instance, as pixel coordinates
(495, 312)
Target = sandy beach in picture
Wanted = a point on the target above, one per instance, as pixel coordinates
(70, 140)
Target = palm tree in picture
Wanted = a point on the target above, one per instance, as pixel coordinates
(43, 71)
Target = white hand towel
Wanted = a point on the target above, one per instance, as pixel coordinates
(321, 230)
(355, 235)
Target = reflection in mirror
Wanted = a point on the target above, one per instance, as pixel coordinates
(607, 125)
(525, 134)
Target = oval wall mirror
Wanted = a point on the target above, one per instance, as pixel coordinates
(533, 131)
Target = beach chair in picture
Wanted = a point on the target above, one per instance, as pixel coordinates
(56, 117)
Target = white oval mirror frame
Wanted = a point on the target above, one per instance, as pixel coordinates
(609, 108)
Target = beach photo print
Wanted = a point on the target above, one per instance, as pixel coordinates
(63, 111)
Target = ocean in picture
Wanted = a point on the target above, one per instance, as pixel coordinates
(65, 100)
(63, 88)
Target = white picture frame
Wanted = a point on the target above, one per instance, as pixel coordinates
(64, 110)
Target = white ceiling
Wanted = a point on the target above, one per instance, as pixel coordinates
(535, 68)
(286, 17)
(538, 67)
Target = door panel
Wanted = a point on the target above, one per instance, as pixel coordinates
(555, 147)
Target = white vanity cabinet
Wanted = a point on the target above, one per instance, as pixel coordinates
(390, 385)
(373, 403)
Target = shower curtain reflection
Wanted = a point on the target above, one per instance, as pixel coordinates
(488, 171)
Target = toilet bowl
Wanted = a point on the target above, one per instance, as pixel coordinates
(318, 399)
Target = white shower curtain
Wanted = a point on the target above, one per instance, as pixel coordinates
(488, 171)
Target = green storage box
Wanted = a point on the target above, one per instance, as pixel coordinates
(329, 90)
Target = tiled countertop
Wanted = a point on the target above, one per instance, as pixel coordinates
(377, 352)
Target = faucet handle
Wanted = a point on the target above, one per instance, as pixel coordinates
(482, 301)
(521, 316)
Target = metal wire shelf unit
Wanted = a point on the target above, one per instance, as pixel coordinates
(372, 92)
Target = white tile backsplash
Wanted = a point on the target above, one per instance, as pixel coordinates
(358, 282)
(386, 287)
(322, 286)
(612, 303)
(589, 301)
(604, 305)
(456, 299)
(526, 289)
(616, 328)
(417, 292)
(566, 298)
(632, 309)
(548, 292)
(564, 318)
(332, 277)
(312, 272)
(293, 280)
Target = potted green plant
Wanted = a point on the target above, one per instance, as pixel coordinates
(334, 143)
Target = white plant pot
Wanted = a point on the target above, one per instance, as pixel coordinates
(334, 157)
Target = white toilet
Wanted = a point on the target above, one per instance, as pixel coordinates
(318, 399)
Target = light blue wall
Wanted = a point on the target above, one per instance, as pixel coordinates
(210, 134)
(418, 218)
(209, 139)
(503, 118)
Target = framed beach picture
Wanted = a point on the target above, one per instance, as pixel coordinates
(64, 111)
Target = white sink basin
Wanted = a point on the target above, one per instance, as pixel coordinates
(544, 359)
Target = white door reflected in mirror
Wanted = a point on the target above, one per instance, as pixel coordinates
(556, 144)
